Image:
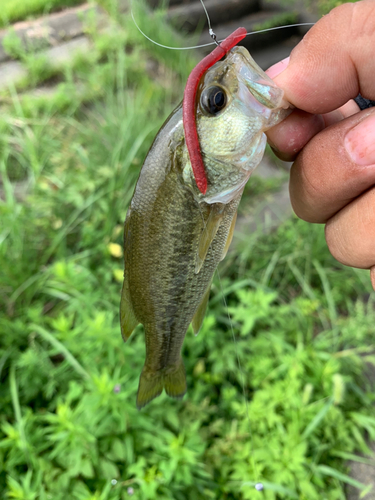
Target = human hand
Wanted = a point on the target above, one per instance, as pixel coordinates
(331, 140)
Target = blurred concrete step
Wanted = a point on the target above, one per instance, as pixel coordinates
(365, 474)
(56, 28)
(267, 215)
(190, 16)
(12, 72)
(273, 53)
(50, 30)
(156, 3)
(270, 210)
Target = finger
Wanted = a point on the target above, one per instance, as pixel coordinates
(326, 68)
(335, 167)
(350, 234)
(293, 133)
(372, 277)
(348, 109)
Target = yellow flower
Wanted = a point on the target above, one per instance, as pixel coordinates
(115, 250)
(118, 274)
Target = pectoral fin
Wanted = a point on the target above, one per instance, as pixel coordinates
(127, 317)
(230, 236)
(208, 234)
(200, 312)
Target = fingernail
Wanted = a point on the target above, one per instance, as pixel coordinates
(278, 68)
(360, 142)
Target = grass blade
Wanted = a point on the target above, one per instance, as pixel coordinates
(17, 410)
(307, 289)
(317, 419)
(327, 291)
(63, 350)
(329, 471)
(353, 458)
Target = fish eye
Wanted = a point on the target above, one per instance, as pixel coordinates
(213, 100)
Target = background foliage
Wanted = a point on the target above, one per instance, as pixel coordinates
(278, 391)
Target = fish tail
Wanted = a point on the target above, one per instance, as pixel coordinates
(150, 387)
(175, 381)
(151, 384)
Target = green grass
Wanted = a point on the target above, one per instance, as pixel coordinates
(283, 19)
(325, 6)
(276, 393)
(18, 10)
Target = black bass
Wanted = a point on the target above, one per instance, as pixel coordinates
(175, 236)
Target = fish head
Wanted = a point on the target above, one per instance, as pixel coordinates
(236, 102)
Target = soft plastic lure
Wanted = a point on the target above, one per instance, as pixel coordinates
(188, 107)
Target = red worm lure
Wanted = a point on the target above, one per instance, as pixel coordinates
(188, 107)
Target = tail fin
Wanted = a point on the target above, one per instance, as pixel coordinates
(151, 384)
(175, 382)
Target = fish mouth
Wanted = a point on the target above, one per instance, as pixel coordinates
(264, 90)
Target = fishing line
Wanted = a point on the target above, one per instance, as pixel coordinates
(166, 46)
(207, 16)
(258, 485)
(243, 383)
(211, 33)
(239, 364)
(210, 30)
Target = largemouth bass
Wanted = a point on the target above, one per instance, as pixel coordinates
(175, 236)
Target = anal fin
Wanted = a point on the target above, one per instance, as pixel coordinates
(198, 318)
(128, 320)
